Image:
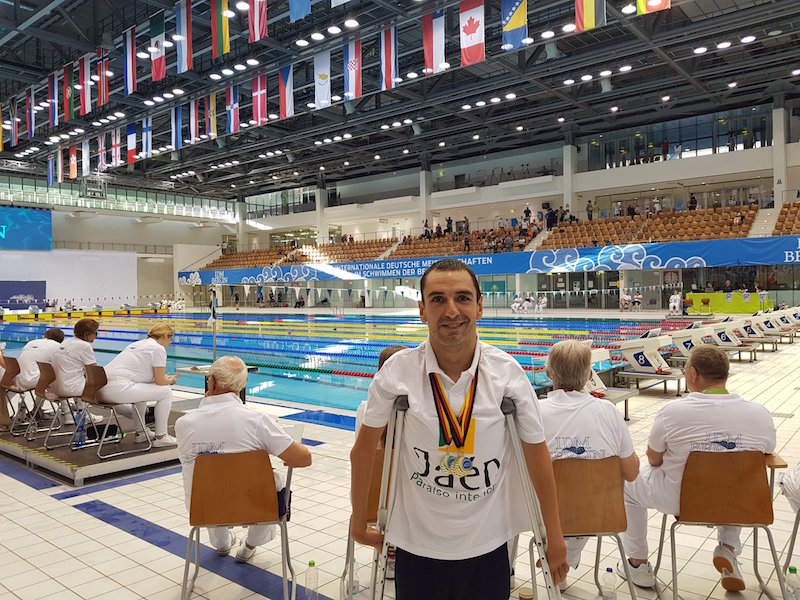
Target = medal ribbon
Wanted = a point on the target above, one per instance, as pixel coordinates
(454, 428)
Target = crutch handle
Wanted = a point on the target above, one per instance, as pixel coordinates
(508, 407)
(401, 403)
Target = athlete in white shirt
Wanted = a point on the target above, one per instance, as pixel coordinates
(137, 375)
(710, 419)
(578, 425)
(455, 504)
(222, 424)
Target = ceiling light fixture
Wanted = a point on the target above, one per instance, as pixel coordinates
(302, 43)
(625, 68)
(377, 157)
(723, 45)
(700, 50)
(629, 9)
(441, 144)
(569, 81)
(317, 36)
(215, 76)
(495, 100)
(605, 73)
(227, 72)
(405, 150)
(466, 107)
(311, 105)
(253, 62)
(614, 108)
(347, 136)
(412, 75)
(480, 103)
(666, 98)
(519, 128)
(168, 44)
(476, 137)
(334, 30)
(228, 13)
(510, 96)
(561, 119)
(149, 103)
(586, 77)
(527, 41)
(239, 67)
(732, 84)
(748, 39)
(351, 23)
(242, 5)
(142, 55)
(569, 28)
(336, 98)
(548, 34)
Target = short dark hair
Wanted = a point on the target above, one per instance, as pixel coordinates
(388, 352)
(449, 264)
(55, 334)
(85, 327)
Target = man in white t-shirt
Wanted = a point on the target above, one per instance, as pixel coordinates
(710, 419)
(578, 425)
(36, 351)
(221, 425)
(457, 500)
(675, 303)
(69, 362)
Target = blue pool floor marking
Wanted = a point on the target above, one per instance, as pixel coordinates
(312, 443)
(108, 485)
(244, 574)
(319, 417)
(25, 475)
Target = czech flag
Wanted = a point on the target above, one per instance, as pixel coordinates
(514, 17)
(286, 91)
(183, 34)
(389, 69)
(129, 59)
(352, 69)
(590, 14)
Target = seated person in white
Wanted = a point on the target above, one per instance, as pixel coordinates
(578, 425)
(709, 419)
(637, 301)
(5, 417)
(223, 423)
(675, 303)
(541, 304)
(625, 300)
(516, 304)
(69, 361)
(136, 376)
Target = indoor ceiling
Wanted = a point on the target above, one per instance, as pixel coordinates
(513, 100)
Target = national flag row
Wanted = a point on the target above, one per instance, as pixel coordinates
(57, 173)
(590, 14)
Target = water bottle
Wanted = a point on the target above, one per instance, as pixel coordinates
(312, 581)
(608, 585)
(793, 582)
(80, 428)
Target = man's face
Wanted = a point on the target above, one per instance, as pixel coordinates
(451, 308)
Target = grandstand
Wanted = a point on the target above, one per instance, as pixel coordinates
(788, 223)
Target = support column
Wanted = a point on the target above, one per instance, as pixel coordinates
(241, 225)
(321, 206)
(570, 164)
(425, 188)
(780, 125)
(311, 296)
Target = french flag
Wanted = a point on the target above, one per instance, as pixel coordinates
(131, 143)
(52, 98)
(352, 70)
(286, 91)
(433, 41)
(389, 70)
(471, 25)
(129, 59)
(183, 30)
(232, 108)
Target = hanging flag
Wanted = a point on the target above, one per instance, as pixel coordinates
(210, 102)
(299, 9)
(73, 161)
(101, 152)
(260, 99)
(116, 147)
(103, 68)
(322, 79)
(51, 170)
(644, 7)
(30, 118)
(176, 121)
(194, 121)
(85, 81)
(52, 98)
(433, 41)
(183, 34)
(257, 17)
(69, 90)
(85, 160)
(514, 19)
(220, 35)
(388, 44)
(589, 14)
(12, 110)
(335, 3)
(158, 56)
(1, 126)
(129, 59)
(147, 137)
(232, 108)
(60, 165)
(286, 91)
(352, 70)
(471, 26)
(131, 143)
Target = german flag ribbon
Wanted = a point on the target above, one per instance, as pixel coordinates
(454, 428)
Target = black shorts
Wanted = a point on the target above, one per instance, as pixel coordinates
(485, 577)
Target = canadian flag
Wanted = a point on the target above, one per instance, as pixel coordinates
(471, 26)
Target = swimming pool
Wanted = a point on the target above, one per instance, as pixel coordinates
(328, 361)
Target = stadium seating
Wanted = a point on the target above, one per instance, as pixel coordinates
(247, 259)
(453, 244)
(344, 252)
(788, 223)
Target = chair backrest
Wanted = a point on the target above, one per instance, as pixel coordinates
(12, 370)
(590, 495)
(233, 489)
(726, 488)
(95, 379)
(47, 375)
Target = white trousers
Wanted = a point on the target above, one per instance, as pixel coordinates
(139, 394)
(652, 490)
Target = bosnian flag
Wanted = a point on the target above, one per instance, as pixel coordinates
(116, 147)
(232, 108)
(257, 17)
(389, 70)
(352, 69)
(260, 99)
(85, 80)
(183, 34)
(131, 143)
(52, 98)
(176, 120)
(433, 41)
(101, 152)
(158, 56)
(147, 137)
(30, 118)
(85, 160)
(194, 121)
(514, 19)
(129, 59)
(286, 91)
(471, 26)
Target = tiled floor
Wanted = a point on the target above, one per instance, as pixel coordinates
(127, 541)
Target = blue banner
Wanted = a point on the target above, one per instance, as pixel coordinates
(671, 255)
(19, 295)
(25, 229)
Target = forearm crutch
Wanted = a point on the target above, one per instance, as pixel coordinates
(532, 503)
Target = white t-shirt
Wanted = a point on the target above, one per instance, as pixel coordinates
(40, 350)
(675, 299)
(578, 425)
(221, 425)
(443, 515)
(135, 363)
(68, 362)
(360, 412)
(708, 423)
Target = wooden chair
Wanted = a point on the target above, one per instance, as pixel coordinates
(7, 390)
(235, 489)
(591, 503)
(47, 376)
(725, 488)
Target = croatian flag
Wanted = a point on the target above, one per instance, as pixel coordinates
(131, 143)
(52, 98)
(103, 63)
(286, 91)
(85, 160)
(51, 171)
(101, 152)
(514, 19)
(116, 147)
(257, 17)
(260, 99)
(194, 121)
(322, 79)
(30, 118)
(433, 41)
(389, 70)
(129, 59)
(183, 34)
(352, 70)
(176, 120)
(158, 56)
(210, 102)
(471, 25)
(85, 80)
(147, 137)
(232, 108)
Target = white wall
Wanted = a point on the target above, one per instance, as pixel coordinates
(82, 275)
(189, 255)
(155, 276)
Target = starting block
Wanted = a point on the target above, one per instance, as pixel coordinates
(686, 339)
(596, 387)
(725, 336)
(772, 327)
(755, 335)
(646, 361)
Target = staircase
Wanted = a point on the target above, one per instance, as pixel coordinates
(537, 240)
(764, 223)
(389, 250)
